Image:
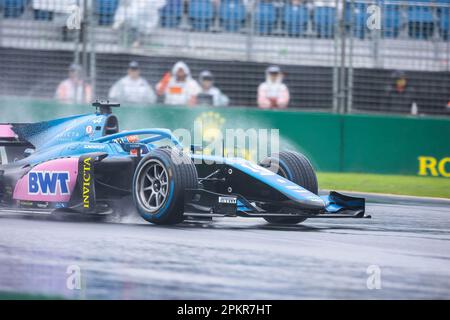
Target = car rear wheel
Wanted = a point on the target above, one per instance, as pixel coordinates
(159, 183)
(297, 168)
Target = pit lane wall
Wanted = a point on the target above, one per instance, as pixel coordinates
(335, 143)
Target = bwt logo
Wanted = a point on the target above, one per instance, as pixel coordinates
(48, 183)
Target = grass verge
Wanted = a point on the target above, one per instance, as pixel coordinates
(393, 184)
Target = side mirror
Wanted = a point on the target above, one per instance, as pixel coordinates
(28, 152)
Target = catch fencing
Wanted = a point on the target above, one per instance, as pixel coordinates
(338, 56)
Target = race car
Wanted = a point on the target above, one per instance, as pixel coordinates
(85, 166)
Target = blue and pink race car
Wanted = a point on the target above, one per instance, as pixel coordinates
(84, 166)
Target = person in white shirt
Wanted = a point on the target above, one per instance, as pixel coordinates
(273, 93)
(74, 89)
(132, 88)
(209, 94)
(178, 87)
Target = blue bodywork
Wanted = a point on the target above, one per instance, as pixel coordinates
(78, 135)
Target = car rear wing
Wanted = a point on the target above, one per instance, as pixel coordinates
(9, 138)
(7, 133)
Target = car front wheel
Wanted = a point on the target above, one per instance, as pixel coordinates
(159, 185)
(296, 168)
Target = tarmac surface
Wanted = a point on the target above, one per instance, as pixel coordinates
(403, 252)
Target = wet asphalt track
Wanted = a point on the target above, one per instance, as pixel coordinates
(233, 258)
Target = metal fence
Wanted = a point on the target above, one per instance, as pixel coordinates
(341, 56)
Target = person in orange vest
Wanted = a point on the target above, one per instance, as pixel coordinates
(178, 87)
(74, 89)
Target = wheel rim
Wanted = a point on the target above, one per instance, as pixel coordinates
(153, 185)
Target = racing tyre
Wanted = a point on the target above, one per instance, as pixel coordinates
(298, 169)
(159, 183)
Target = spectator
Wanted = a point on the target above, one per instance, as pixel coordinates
(400, 96)
(273, 93)
(132, 88)
(178, 87)
(74, 89)
(209, 94)
(138, 18)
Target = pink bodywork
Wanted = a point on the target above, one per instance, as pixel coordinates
(6, 131)
(69, 165)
